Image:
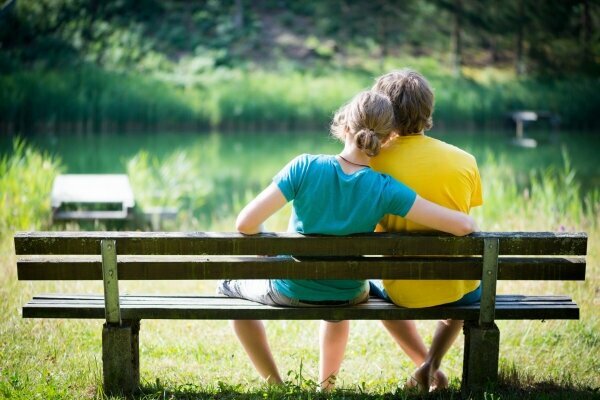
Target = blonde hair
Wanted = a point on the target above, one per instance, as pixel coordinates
(368, 117)
(412, 99)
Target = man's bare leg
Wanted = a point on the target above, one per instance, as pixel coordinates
(406, 336)
(252, 335)
(333, 337)
(443, 338)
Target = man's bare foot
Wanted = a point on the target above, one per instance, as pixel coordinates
(422, 378)
(440, 381)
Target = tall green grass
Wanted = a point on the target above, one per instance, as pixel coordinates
(549, 199)
(92, 100)
(26, 177)
(88, 99)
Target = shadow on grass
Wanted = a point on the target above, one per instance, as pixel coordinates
(512, 384)
(506, 389)
(223, 391)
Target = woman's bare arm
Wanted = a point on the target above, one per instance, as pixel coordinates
(443, 219)
(267, 203)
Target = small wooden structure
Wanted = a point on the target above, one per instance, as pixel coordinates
(114, 256)
(109, 197)
(520, 117)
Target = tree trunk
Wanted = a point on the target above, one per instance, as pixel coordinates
(456, 43)
(238, 16)
(519, 61)
(586, 32)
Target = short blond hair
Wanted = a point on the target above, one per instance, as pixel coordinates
(368, 117)
(412, 100)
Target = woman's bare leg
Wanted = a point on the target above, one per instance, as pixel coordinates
(333, 337)
(252, 335)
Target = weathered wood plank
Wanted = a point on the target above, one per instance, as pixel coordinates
(481, 354)
(503, 298)
(111, 282)
(177, 243)
(488, 281)
(120, 358)
(202, 267)
(220, 308)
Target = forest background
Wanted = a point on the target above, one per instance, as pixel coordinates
(149, 65)
(200, 103)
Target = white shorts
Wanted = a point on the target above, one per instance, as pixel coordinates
(262, 291)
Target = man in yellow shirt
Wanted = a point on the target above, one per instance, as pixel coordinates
(438, 172)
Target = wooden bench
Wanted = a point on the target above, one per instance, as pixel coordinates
(114, 256)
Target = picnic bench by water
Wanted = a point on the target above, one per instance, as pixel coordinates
(114, 256)
(91, 197)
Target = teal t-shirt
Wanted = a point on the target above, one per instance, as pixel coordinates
(328, 201)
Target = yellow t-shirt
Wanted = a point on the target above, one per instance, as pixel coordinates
(443, 174)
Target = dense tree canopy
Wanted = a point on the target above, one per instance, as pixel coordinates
(549, 37)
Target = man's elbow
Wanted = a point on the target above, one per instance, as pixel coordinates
(466, 227)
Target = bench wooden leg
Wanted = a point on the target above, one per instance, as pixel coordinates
(480, 364)
(120, 357)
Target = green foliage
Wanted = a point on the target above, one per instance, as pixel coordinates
(90, 66)
(548, 199)
(90, 99)
(26, 177)
(201, 96)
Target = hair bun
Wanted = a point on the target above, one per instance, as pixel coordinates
(367, 140)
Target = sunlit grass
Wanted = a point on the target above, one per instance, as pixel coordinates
(26, 177)
(210, 182)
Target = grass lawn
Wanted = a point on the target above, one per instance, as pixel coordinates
(187, 359)
(61, 359)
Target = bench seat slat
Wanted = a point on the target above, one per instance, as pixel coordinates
(186, 268)
(190, 298)
(217, 307)
(174, 243)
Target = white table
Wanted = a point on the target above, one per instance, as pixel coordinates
(92, 189)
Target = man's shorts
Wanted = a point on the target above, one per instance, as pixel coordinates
(377, 290)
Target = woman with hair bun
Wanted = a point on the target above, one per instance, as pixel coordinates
(332, 195)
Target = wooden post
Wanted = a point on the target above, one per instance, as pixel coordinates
(480, 362)
(488, 282)
(482, 339)
(120, 357)
(111, 282)
(120, 339)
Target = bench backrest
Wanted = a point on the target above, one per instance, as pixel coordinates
(205, 255)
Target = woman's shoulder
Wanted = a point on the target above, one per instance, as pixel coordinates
(313, 159)
(307, 157)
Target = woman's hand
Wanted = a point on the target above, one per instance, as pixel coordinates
(267, 203)
(443, 219)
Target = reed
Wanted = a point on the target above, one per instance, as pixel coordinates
(26, 177)
(91, 100)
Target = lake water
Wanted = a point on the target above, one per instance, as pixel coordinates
(110, 153)
(209, 177)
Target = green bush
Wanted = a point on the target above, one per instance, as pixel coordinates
(26, 177)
